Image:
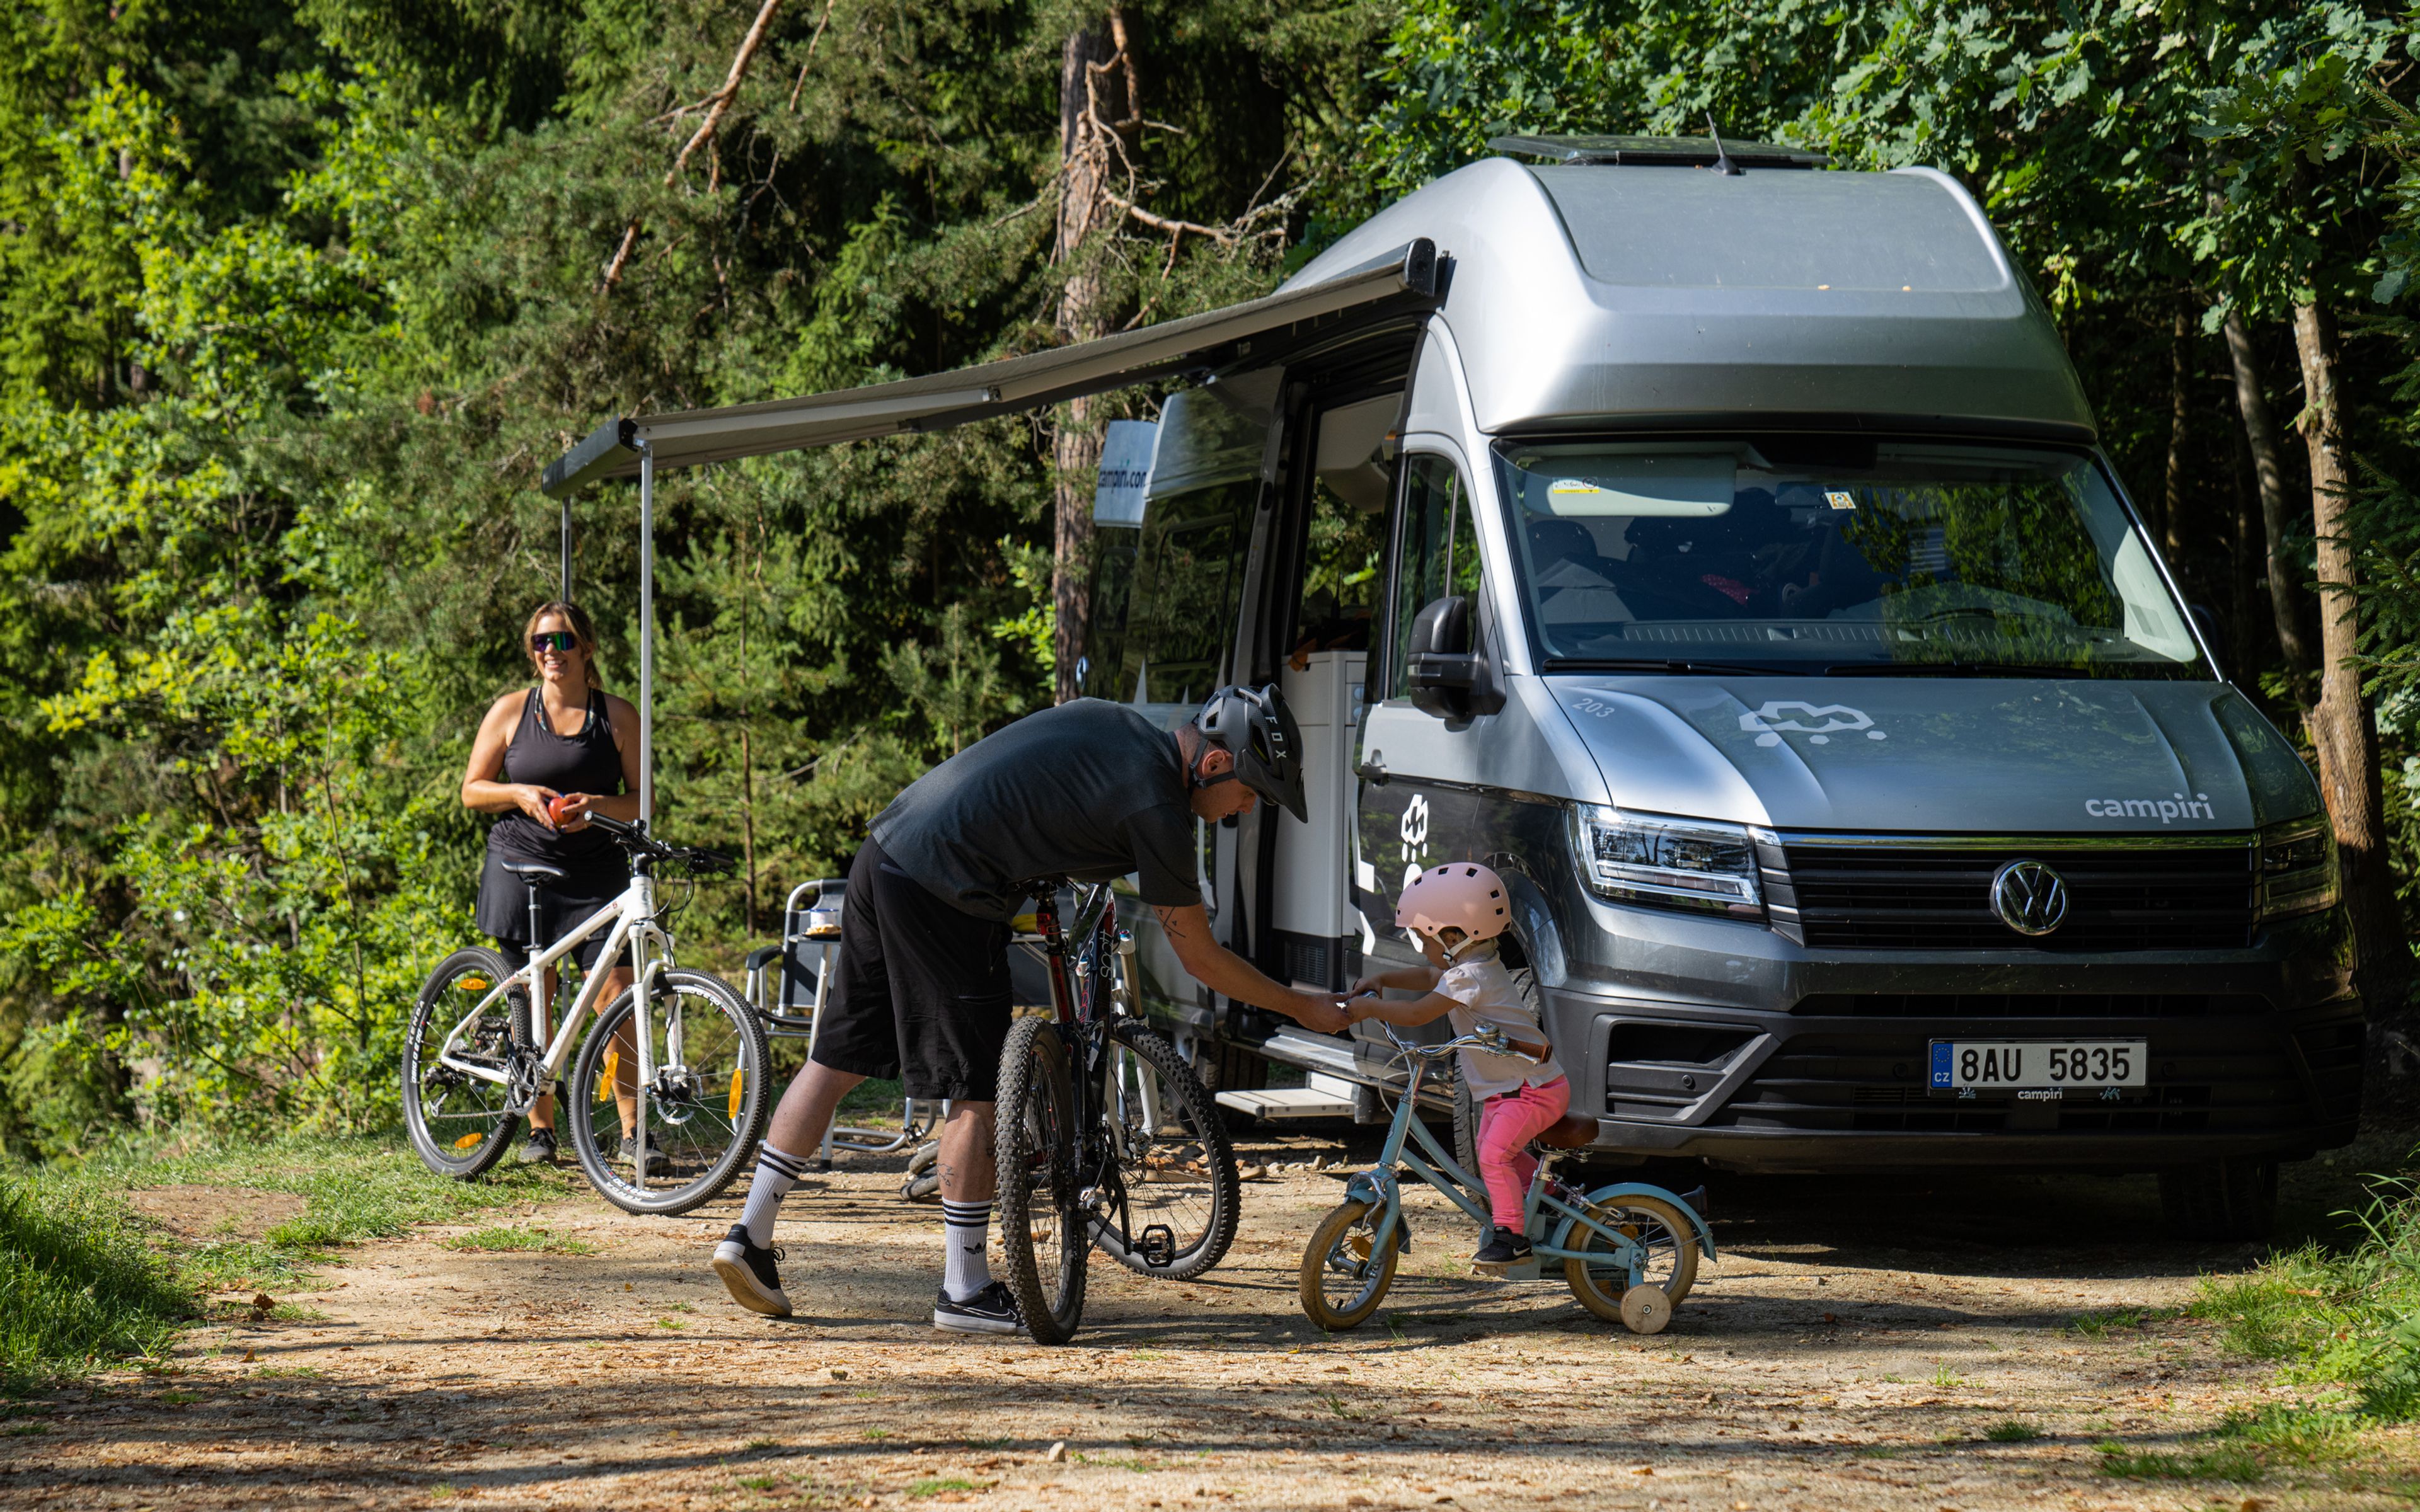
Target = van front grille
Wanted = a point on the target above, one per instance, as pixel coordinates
(1951, 1006)
(1886, 896)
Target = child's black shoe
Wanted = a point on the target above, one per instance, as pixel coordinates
(1503, 1248)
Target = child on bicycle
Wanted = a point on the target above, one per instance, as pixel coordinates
(1456, 912)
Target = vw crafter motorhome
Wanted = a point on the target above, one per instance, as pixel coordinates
(1727, 559)
(1718, 546)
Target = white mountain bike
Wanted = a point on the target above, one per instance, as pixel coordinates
(667, 1094)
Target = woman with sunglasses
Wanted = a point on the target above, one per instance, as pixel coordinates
(561, 742)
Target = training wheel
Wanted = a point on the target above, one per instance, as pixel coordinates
(1646, 1309)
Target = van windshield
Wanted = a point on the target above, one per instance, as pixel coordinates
(1835, 554)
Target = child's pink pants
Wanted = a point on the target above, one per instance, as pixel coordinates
(1507, 1123)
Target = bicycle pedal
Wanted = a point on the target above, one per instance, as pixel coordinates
(1157, 1246)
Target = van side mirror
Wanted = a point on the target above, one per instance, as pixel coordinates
(1448, 671)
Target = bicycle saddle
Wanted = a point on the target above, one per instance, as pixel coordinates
(1573, 1130)
(536, 873)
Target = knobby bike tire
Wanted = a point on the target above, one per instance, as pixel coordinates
(463, 1129)
(1366, 1273)
(1044, 1230)
(1223, 1190)
(703, 1121)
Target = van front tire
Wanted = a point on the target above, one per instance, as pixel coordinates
(2220, 1200)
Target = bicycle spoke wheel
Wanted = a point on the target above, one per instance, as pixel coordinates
(1044, 1233)
(1183, 1195)
(1669, 1263)
(677, 1140)
(1345, 1268)
(458, 1122)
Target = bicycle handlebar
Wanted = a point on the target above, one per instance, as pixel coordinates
(635, 839)
(1487, 1037)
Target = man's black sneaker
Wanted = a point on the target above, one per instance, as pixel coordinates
(1503, 1248)
(538, 1148)
(747, 1270)
(992, 1310)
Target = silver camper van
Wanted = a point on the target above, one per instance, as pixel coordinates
(1719, 548)
(1727, 560)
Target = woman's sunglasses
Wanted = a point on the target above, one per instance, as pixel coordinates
(546, 640)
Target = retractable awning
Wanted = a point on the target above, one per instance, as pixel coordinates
(690, 437)
(1264, 330)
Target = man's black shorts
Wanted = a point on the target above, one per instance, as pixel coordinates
(920, 990)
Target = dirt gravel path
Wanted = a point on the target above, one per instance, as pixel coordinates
(1853, 1348)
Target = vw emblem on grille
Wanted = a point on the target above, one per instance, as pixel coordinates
(2029, 896)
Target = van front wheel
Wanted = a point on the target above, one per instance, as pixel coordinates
(2220, 1200)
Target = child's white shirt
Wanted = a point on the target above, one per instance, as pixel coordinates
(1483, 993)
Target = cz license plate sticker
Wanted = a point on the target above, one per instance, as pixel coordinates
(2026, 1065)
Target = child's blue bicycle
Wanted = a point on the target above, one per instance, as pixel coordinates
(1629, 1251)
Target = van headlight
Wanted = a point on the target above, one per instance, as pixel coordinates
(1670, 863)
(2298, 869)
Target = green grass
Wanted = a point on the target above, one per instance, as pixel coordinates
(2243, 1449)
(506, 1239)
(2012, 1431)
(79, 1285)
(948, 1483)
(2097, 1325)
(2348, 1317)
(86, 1281)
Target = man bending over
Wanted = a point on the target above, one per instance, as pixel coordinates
(1088, 790)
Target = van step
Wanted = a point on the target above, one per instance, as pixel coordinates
(1289, 1102)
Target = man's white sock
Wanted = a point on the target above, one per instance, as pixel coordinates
(777, 1171)
(966, 1226)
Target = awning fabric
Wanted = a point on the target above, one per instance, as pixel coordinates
(1212, 339)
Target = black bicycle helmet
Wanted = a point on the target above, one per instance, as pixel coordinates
(1254, 726)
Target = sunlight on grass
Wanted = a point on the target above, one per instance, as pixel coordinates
(511, 1240)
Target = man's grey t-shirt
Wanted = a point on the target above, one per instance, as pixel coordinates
(1088, 790)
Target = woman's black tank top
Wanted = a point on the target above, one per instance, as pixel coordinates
(584, 762)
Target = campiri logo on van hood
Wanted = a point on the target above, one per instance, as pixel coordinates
(2006, 756)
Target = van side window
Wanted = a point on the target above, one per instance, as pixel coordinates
(1164, 607)
(1437, 554)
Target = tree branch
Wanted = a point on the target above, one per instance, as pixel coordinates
(716, 103)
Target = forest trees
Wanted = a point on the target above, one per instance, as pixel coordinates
(301, 298)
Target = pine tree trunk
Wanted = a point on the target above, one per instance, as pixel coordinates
(1076, 440)
(2245, 550)
(2172, 493)
(2342, 726)
(2268, 474)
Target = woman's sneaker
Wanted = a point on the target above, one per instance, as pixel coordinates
(538, 1148)
(1503, 1248)
(747, 1270)
(992, 1310)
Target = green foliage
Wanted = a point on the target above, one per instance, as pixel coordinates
(301, 296)
(2351, 1317)
(77, 1285)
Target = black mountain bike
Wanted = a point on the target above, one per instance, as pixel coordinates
(1107, 1139)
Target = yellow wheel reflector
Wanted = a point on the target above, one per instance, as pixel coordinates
(466, 1141)
(734, 1093)
(1358, 1246)
(472, 984)
(605, 1084)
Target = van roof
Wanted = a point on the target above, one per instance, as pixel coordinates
(1591, 293)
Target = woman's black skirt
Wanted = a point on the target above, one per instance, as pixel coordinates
(563, 906)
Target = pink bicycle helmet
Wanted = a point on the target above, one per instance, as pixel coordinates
(1461, 895)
